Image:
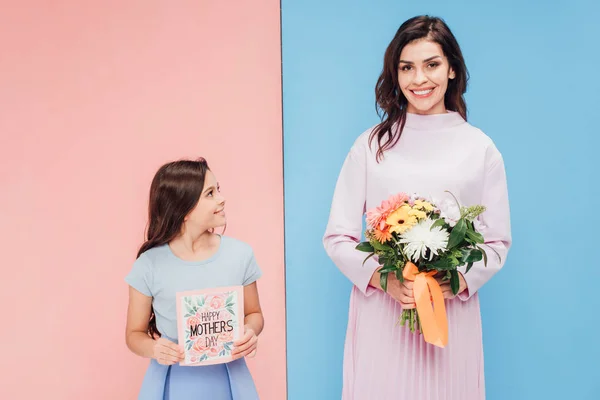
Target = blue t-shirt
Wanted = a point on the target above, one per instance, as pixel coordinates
(160, 274)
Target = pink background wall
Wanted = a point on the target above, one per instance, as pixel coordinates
(94, 96)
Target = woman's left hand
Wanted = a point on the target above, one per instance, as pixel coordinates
(246, 345)
(447, 290)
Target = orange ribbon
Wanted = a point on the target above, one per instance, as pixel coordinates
(433, 320)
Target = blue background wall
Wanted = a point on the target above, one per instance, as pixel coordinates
(534, 88)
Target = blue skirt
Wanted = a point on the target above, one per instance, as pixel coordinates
(230, 381)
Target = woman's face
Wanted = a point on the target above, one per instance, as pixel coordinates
(423, 75)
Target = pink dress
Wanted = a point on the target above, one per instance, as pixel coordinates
(382, 360)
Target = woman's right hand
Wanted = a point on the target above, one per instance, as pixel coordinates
(402, 292)
(167, 352)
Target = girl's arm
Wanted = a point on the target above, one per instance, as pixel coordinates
(253, 323)
(254, 318)
(136, 336)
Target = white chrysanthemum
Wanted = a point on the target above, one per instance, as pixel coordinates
(421, 238)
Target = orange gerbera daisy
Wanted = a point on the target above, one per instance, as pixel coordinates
(382, 236)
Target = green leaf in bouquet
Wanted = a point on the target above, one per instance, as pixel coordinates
(458, 234)
(383, 259)
(399, 271)
(469, 266)
(454, 281)
(399, 275)
(386, 259)
(383, 278)
(379, 246)
(485, 257)
(472, 212)
(230, 311)
(369, 256)
(387, 269)
(438, 222)
(471, 255)
(485, 254)
(447, 276)
(443, 264)
(476, 237)
(366, 247)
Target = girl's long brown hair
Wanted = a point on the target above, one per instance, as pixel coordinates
(390, 101)
(174, 192)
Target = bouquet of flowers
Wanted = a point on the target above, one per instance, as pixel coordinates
(419, 239)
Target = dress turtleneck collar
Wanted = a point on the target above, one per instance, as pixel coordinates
(433, 121)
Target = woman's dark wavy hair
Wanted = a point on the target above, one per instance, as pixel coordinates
(390, 101)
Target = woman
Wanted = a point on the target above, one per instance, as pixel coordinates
(423, 145)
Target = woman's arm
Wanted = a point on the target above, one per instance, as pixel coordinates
(344, 229)
(496, 226)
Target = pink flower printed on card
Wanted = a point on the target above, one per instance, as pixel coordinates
(226, 337)
(217, 302)
(199, 347)
(214, 351)
(193, 321)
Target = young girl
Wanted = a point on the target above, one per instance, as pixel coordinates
(423, 145)
(183, 253)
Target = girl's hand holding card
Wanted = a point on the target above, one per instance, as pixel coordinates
(246, 345)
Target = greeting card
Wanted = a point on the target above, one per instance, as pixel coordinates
(208, 322)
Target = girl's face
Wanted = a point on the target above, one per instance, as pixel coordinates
(423, 75)
(210, 210)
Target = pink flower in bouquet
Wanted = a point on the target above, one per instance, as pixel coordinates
(217, 302)
(376, 216)
(395, 201)
(449, 210)
(411, 199)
